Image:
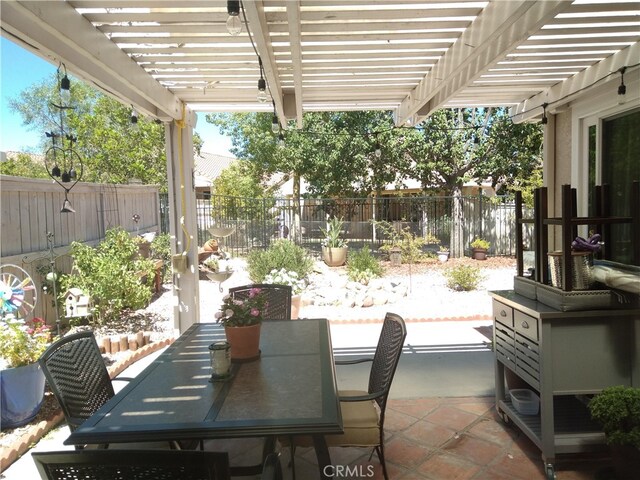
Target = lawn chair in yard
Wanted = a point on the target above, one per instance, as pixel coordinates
(278, 299)
(142, 465)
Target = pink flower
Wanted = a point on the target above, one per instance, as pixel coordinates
(255, 312)
(254, 291)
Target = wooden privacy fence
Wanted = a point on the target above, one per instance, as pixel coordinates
(32, 223)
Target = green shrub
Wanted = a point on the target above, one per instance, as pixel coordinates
(410, 244)
(280, 254)
(161, 249)
(463, 277)
(111, 275)
(363, 266)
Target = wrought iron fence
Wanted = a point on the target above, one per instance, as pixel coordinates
(454, 221)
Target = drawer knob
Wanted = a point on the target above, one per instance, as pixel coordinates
(503, 313)
(525, 324)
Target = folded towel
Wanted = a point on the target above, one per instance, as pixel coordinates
(617, 278)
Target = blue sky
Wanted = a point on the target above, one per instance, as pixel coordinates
(21, 69)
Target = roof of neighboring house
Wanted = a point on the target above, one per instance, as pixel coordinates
(210, 165)
(11, 155)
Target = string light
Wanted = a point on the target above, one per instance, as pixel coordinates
(134, 118)
(622, 88)
(281, 140)
(544, 120)
(275, 125)
(262, 85)
(234, 24)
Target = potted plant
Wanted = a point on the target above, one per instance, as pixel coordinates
(334, 248)
(22, 380)
(241, 319)
(290, 278)
(617, 409)
(479, 248)
(443, 253)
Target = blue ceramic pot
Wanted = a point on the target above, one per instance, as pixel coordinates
(21, 394)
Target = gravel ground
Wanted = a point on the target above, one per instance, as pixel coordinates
(429, 297)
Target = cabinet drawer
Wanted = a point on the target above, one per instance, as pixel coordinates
(526, 325)
(502, 313)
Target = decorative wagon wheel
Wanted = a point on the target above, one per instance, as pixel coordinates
(18, 293)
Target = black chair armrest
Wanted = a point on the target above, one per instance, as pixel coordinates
(121, 379)
(360, 398)
(353, 362)
(272, 470)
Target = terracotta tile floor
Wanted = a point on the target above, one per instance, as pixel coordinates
(439, 439)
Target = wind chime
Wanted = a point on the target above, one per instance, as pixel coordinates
(64, 165)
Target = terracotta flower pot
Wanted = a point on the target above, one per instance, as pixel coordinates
(479, 253)
(295, 306)
(244, 342)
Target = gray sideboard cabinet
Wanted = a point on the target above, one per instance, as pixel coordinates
(564, 357)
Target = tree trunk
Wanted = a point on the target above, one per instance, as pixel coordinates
(295, 226)
(457, 230)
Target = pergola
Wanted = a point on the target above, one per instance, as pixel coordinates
(169, 59)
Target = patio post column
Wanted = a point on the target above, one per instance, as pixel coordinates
(183, 225)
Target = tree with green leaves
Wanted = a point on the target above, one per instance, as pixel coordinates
(24, 165)
(112, 149)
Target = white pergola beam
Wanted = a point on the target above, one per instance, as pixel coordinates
(260, 33)
(563, 92)
(500, 28)
(56, 27)
(293, 15)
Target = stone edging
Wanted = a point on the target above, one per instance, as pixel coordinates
(39, 430)
(413, 320)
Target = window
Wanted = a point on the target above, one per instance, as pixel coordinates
(621, 166)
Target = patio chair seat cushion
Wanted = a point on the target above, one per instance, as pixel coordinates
(361, 422)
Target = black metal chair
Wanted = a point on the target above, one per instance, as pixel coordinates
(363, 412)
(278, 299)
(141, 465)
(78, 377)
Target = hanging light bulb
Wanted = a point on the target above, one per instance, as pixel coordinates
(378, 150)
(262, 85)
(281, 140)
(262, 91)
(544, 120)
(622, 88)
(134, 119)
(275, 125)
(234, 24)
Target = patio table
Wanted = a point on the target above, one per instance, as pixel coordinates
(290, 390)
